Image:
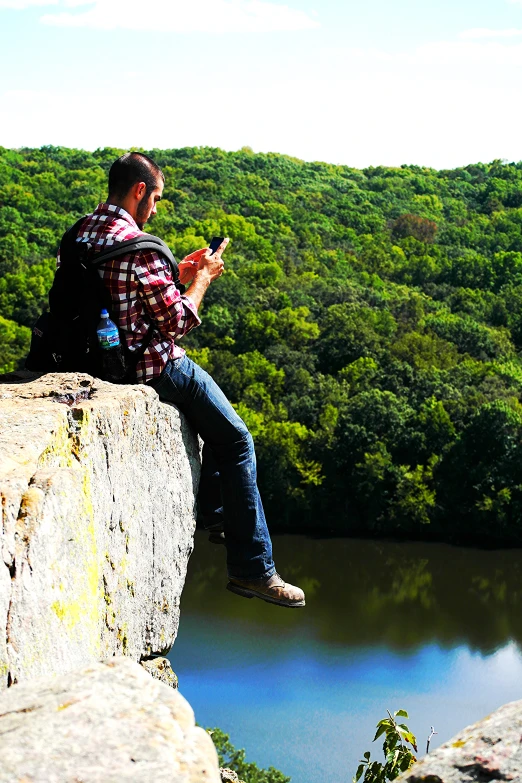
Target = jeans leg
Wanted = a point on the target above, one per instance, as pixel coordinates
(210, 502)
(197, 395)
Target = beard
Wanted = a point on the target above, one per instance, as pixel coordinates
(143, 212)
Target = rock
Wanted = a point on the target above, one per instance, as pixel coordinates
(490, 750)
(161, 670)
(97, 485)
(107, 723)
(229, 776)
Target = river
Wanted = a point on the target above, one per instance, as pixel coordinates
(430, 628)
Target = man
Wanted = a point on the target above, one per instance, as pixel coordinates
(143, 293)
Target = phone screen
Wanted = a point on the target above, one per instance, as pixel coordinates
(215, 243)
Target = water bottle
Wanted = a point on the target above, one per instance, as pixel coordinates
(112, 360)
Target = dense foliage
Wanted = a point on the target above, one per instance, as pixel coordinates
(367, 327)
(231, 758)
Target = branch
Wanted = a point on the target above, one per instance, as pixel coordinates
(429, 739)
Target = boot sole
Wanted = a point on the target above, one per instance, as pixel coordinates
(246, 593)
(215, 538)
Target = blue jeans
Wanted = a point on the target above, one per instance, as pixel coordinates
(228, 489)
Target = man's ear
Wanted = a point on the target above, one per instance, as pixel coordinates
(139, 190)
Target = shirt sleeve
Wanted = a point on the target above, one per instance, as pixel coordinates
(174, 314)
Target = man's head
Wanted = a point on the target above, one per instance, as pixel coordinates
(136, 184)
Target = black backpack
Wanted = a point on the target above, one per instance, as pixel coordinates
(64, 337)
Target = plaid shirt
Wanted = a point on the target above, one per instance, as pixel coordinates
(141, 289)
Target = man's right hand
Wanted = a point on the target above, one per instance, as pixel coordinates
(211, 262)
(210, 267)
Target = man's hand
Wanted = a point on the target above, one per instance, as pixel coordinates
(190, 265)
(204, 267)
(202, 259)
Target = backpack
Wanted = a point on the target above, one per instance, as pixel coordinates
(64, 337)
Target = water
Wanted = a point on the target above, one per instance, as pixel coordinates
(430, 628)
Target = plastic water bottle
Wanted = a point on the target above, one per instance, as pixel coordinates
(113, 363)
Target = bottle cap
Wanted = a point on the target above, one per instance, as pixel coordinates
(104, 313)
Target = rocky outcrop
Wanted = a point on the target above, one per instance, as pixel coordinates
(97, 485)
(490, 750)
(108, 723)
(229, 776)
(161, 670)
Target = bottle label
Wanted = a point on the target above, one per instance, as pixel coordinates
(111, 340)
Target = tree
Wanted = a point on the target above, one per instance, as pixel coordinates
(14, 345)
(414, 226)
(235, 759)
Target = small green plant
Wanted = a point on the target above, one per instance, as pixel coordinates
(398, 755)
(248, 771)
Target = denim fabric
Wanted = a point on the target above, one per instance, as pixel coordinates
(228, 489)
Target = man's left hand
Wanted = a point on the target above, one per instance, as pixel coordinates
(189, 266)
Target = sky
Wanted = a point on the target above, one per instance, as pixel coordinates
(357, 82)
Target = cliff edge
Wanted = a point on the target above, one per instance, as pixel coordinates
(97, 484)
(489, 751)
(106, 723)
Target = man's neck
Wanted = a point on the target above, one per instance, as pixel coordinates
(126, 203)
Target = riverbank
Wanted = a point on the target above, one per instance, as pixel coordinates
(328, 529)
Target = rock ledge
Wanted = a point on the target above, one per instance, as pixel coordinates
(490, 750)
(97, 488)
(110, 722)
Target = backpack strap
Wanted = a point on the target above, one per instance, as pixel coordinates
(142, 242)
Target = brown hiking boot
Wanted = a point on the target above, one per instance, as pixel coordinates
(271, 588)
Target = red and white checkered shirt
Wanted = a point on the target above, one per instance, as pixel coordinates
(141, 289)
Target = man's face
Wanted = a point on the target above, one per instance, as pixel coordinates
(147, 206)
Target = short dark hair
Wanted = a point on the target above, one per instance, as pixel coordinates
(131, 168)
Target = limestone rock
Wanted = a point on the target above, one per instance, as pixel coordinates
(108, 723)
(229, 776)
(161, 670)
(97, 488)
(489, 750)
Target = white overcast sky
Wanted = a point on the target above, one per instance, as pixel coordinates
(366, 82)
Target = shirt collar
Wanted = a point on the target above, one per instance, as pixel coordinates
(113, 211)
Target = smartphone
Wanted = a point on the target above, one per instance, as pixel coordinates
(215, 243)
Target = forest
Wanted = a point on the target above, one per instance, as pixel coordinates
(368, 326)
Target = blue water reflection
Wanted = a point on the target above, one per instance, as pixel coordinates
(303, 690)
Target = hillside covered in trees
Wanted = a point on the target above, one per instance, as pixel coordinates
(367, 328)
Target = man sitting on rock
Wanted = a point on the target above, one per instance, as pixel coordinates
(143, 292)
